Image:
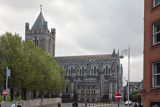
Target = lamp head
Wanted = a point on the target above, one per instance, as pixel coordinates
(121, 56)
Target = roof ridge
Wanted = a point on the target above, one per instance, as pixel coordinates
(86, 55)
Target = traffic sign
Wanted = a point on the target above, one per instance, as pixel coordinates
(118, 96)
(5, 93)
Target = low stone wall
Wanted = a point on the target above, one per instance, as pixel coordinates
(36, 103)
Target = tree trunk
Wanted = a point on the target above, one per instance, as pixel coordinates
(42, 96)
(12, 94)
(34, 94)
(24, 94)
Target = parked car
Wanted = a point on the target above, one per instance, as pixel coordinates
(128, 102)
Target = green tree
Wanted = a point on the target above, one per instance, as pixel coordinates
(135, 97)
(11, 53)
(32, 69)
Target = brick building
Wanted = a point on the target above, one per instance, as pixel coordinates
(151, 91)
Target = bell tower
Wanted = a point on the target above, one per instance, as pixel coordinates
(40, 35)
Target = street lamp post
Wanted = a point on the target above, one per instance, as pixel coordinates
(128, 53)
(128, 72)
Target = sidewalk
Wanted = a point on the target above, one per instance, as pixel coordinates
(90, 105)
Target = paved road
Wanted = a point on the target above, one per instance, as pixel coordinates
(91, 105)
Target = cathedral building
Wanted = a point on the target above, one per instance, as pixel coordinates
(88, 78)
(92, 77)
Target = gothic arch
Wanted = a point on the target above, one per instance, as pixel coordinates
(50, 46)
(36, 41)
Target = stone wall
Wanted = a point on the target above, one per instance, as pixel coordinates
(36, 103)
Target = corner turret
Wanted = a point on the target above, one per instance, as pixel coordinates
(114, 53)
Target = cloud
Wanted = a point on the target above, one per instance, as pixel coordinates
(113, 26)
(136, 70)
(21, 5)
(82, 27)
(102, 25)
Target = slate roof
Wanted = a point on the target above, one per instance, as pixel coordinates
(84, 57)
(38, 24)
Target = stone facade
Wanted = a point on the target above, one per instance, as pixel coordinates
(88, 78)
(93, 77)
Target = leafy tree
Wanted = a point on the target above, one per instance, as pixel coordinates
(11, 53)
(135, 97)
(32, 70)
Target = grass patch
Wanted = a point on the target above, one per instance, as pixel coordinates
(2, 98)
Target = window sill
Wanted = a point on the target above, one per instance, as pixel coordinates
(154, 8)
(155, 88)
(156, 45)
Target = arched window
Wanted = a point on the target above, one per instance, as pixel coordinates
(80, 71)
(50, 46)
(95, 71)
(67, 89)
(109, 70)
(69, 72)
(106, 69)
(71, 69)
(92, 71)
(94, 68)
(36, 41)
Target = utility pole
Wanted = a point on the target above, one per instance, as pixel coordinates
(127, 51)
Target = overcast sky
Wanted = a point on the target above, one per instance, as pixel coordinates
(84, 27)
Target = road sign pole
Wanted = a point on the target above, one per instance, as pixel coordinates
(118, 103)
(6, 86)
(118, 97)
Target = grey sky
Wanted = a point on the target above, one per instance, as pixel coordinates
(84, 26)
